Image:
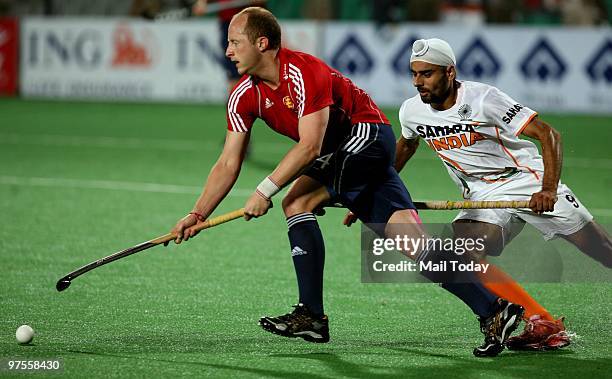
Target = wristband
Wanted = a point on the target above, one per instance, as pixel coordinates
(267, 188)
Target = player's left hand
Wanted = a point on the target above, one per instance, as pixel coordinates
(543, 201)
(256, 206)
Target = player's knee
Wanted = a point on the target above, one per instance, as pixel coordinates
(294, 205)
(287, 204)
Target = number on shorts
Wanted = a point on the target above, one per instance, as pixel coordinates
(572, 200)
(324, 160)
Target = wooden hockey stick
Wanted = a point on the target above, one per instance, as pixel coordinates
(64, 282)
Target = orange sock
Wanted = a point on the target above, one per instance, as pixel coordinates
(502, 285)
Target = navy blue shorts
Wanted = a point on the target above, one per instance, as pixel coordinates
(360, 174)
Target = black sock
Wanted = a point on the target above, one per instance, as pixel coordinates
(466, 286)
(482, 302)
(308, 252)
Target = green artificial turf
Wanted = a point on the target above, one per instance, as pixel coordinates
(79, 181)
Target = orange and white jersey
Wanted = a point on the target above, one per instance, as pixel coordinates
(477, 138)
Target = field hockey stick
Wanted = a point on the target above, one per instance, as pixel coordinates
(64, 282)
(186, 12)
(467, 204)
(450, 205)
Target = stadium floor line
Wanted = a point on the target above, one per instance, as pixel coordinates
(111, 185)
(214, 146)
(150, 187)
(125, 143)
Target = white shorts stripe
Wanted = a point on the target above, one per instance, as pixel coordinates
(357, 138)
(350, 142)
(363, 141)
(338, 186)
(357, 142)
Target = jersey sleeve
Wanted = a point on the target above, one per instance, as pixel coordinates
(505, 112)
(407, 131)
(311, 86)
(240, 116)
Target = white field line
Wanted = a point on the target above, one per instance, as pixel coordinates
(212, 146)
(151, 187)
(111, 185)
(127, 143)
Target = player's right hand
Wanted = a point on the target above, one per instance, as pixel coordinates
(543, 201)
(183, 230)
(256, 206)
(349, 219)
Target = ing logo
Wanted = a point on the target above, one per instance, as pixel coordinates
(127, 51)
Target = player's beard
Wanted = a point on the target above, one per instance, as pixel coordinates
(438, 96)
(431, 98)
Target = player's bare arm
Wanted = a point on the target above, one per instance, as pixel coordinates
(220, 181)
(552, 155)
(404, 150)
(311, 130)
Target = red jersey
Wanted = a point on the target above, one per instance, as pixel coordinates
(307, 85)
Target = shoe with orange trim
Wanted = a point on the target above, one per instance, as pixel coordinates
(540, 334)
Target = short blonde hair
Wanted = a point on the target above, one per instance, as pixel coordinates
(262, 23)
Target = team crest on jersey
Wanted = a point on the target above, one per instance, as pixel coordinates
(465, 112)
(288, 102)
